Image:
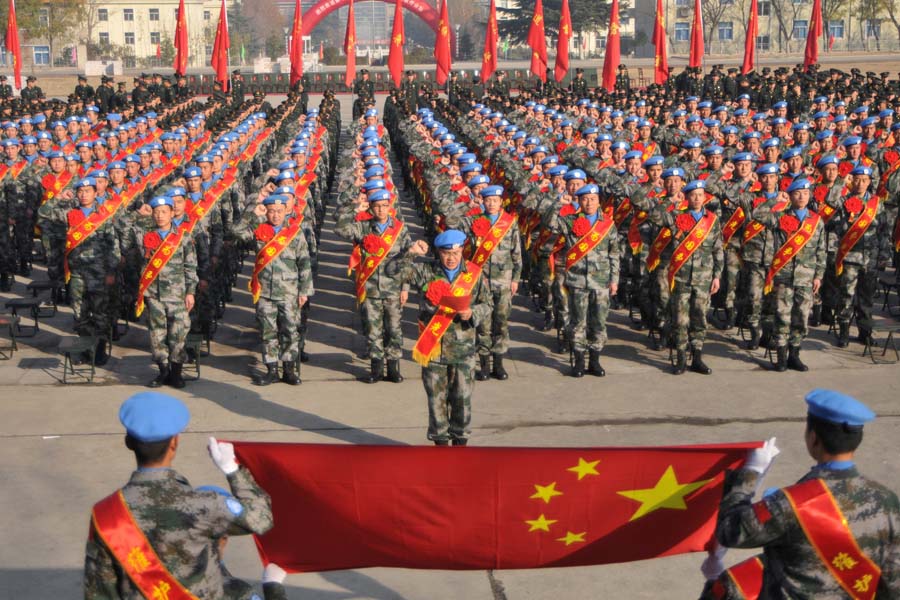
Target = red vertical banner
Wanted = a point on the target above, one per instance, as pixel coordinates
(660, 42)
(696, 57)
(491, 45)
(750, 42)
(442, 47)
(562, 44)
(398, 39)
(181, 41)
(811, 55)
(538, 42)
(220, 49)
(297, 44)
(12, 43)
(350, 47)
(613, 49)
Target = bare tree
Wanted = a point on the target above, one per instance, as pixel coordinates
(713, 11)
(892, 8)
(786, 13)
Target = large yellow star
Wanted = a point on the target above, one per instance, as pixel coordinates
(572, 538)
(546, 492)
(667, 493)
(541, 523)
(584, 468)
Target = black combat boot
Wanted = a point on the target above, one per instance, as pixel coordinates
(548, 321)
(827, 316)
(5, 282)
(697, 364)
(101, 356)
(460, 442)
(289, 374)
(680, 362)
(793, 361)
(753, 344)
(499, 372)
(24, 268)
(815, 317)
(577, 364)
(781, 359)
(376, 371)
(304, 357)
(269, 377)
(162, 377)
(594, 367)
(729, 319)
(393, 371)
(484, 372)
(844, 335)
(865, 337)
(175, 378)
(441, 442)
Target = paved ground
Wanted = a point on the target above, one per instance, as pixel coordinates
(63, 446)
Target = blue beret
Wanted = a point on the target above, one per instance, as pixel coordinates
(772, 142)
(370, 152)
(886, 113)
(153, 417)
(654, 160)
(100, 174)
(744, 97)
(632, 119)
(539, 148)
(29, 139)
(780, 104)
(589, 130)
(691, 99)
(203, 158)
(567, 123)
(285, 189)
(161, 201)
(760, 116)
(604, 137)
(286, 165)
(379, 196)
(633, 154)
(868, 121)
(452, 238)
(519, 135)
(769, 169)
(852, 140)
(840, 118)
(168, 137)
(791, 153)
(87, 182)
(176, 191)
(558, 170)
(751, 135)
(620, 145)
(590, 188)
(714, 149)
(799, 184)
(56, 154)
(692, 143)
(151, 115)
(113, 117)
(551, 159)
(822, 114)
(743, 156)
(673, 172)
(778, 121)
(712, 123)
(140, 120)
(862, 170)
(645, 123)
(491, 190)
(471, 167)
(532, 141)
(371, 113)
(705, 104)
(830, 159)
(740, 112)
(192, 172)
(478, 179)
(375, 161)
(802, 126)
(284, 175)
(44, 135)
(824, 134)
(275, 199)
(575, 174)
(697, 184)
(375, 171)
(466, 158)
(80, 145)
(821, 99)
(838, 408)
(860, 109)
(374, 184)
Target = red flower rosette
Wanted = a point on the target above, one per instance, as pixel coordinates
(481, 227)
(75, 217)
(758, 200)
(371, 243)
(567, 210)
(265, 232)
(685, 222)
(437, 289)
(152, 241)
(581, 226)
(789, 223)
(853, 205)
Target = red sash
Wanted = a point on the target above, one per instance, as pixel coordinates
(116, 526)
(892, 158)
(662, 240)
(490, 241)
(856, 232)
(76, 235)
(747, 577)
(588, 241)
(755, 227)
(373, 260)
(622, 211)
(53, 184)
(733, 224)
(693, 240)
(896, 237)
(791, 248)
(270, 252)
(428, 346)
(824, 210)
(209, 200)
(157, 263)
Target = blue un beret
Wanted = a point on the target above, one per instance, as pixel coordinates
(838, 408)
(575, 174)
(153, 417)
(491, 190)
(799, 184)
(162, 201)
(379, 196)
(478, 179)
(697, 184)
(591, 188)
(452, 238)
(275, 199)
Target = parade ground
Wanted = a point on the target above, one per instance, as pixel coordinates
(63, 446)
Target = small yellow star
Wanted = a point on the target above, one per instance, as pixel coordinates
(572, 538)
(546, 492)
(541, 523)
(585, 468)
(667, 493)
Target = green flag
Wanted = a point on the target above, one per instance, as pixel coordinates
(243, 54)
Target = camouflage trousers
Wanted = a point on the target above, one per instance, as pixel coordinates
(659, 295)
(53, 249)
(862, 282)
(90, 304)
(689, 304)
(168, 322)
(792, 306)
(754, 277)
(279, 323)
(24, 234)
(730, 276)
(381, 324)
(203, 314)
(588, 310)
(560, 298)
(7, 250)
(493, 335)
(449, 390)
(829, 295)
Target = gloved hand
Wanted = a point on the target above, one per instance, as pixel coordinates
(713, 565)
(273, 574)
(222, 454)
(759, 459)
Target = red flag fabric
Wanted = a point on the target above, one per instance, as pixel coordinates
(181, 41)
(830, 41)
(158, 50)
(398, 39)
(12, 43)
(220, 49)
(350, 47)
(347, 507)
(562, 44)
(538, 42)
(297, 44)
(811, 54)
(750, 41)
(442, 47)
(321, 50)
(491, 45)
(660, 42)
(613, 49)
(696, 57)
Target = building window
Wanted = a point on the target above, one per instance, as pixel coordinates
(128, 14)
(800, 29)
(154, 37)
(873, 28)
(836, 29)
(726, 31)
(681, 2)
(154, 14)
(44, 17)
(765, 8)
(207, 15)
(600, 43)
(104, 38)
(208, 51)
(682, 32)
(103, 14)
(129, 38)
(762, 42)
(42, 55)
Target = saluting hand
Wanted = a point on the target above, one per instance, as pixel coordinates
(222, 454)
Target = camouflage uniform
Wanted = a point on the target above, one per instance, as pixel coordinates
(20, 195)
(756, 254)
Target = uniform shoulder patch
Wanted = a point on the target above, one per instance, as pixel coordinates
(234, 506)
(761, 510)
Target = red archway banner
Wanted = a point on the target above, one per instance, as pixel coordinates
(323, 8)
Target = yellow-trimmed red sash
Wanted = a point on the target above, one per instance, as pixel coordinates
(270, 252)
(734, 223)
(157, 263)
(856, 232)
(588, 241)
(755, 227)
(428, 346)
(747, 577)
(17, 168)
(896, 236)
(892, 158)
(826, 528)
(693, 240)
(114, 523)
(657, 247)
(622, 211)
(373, 260)
(825, 211)
(208, 201)
(490, 242)
(75, 236)
(792, 247)
(53, 184)
(634, 231)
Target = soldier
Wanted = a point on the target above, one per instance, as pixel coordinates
(364, 90)
(121, 97)
(158, 523)
(105, 94)
(832, 506)
(6, 91)
(83, 91)
(578, 86)
(409, 93)
(455, 90)
(623, 80)
(453, 302)
(31, 93)
(500, 87)
(281, 285)
(238, 90)
(20, 192)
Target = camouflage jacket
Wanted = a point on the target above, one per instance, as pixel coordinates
(179, 276)
(290, 274)
(759, 249)
(706, 262)
(505, 263)
(875, 244)
(808, 264)
(20, 195)
(387, 280)
(98, 255)
(599, 267)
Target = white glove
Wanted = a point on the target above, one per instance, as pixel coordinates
(713, 566)
(759, 459)
(273, 574)
(222, 454)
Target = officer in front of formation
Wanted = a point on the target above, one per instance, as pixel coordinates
(364, 90)
(578, 86)
(31, 92)
(834, 534)
(158, 523)
(6, 91)
(83, 91)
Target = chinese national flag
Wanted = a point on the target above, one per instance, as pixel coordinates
(750, 42)
(661, 64)
(12, 43)
(297, 44)
(398, 38)
(696, 57)
(613, 49)
(220, 49)
(348, 507)
(181, 41)
(562, 44)
(350, 47)
(442, 47)
(491, 43)
(538, 42)
(811, 55)
(158, 50)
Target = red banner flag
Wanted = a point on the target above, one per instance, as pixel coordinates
(750, 41)
(181, 41)
(297, 44)
(442, 47)
(398, 39)
(538, 42)
(350, 47)
(660, 42)
(830, 41)
(347, 507)
(158, 50)
(491, 45)
(811, 54)
(613, 49)
(562, 44)
(220, 49)
(696, 57)
(12, 43)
